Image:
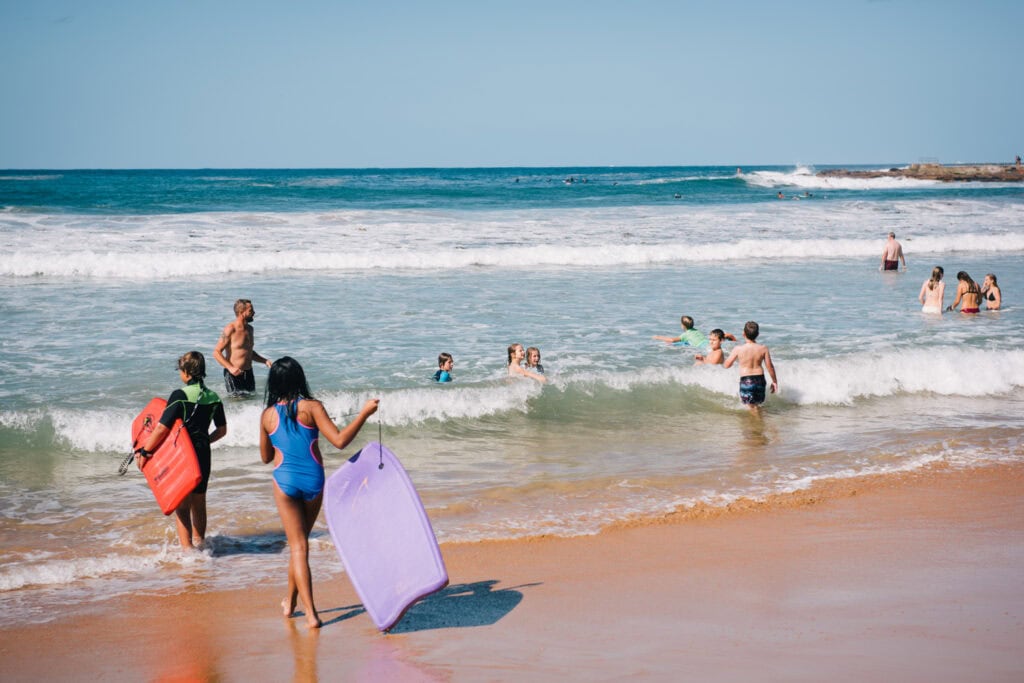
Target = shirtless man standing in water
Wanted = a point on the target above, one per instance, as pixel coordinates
(750, 356)
(234, 351)
(892, 254)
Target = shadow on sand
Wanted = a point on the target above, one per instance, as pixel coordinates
(461, 606)
(270, 543)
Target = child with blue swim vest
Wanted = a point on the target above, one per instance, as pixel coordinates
(445, 364)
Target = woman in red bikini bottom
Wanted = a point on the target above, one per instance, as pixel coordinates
(968, 294)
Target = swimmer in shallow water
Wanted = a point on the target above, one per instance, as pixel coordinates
(688, 337)
(892, 254)
(932, 292)
(991, 293)
(715, 355)
(516, 356)
(968, 294)
(445, 364)
(533, 360)
(751, 356)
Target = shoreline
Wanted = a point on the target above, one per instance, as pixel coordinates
(932, 171)
(917, 575)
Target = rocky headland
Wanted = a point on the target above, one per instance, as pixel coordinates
(959, 172)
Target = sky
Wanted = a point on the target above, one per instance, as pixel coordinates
(380, 83)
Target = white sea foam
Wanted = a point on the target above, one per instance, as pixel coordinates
(838, 380)
(211, 244)
(144, 264)
(807, 178)
(60, 571)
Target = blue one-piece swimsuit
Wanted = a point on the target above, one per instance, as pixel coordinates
(301, 472)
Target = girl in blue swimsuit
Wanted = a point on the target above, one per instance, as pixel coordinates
(289, 437)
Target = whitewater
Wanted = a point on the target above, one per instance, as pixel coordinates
(364, 276)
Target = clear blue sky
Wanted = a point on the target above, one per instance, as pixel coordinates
(190, 83)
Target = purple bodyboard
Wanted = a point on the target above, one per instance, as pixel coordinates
(382, 534)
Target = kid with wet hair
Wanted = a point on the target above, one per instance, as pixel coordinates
(445, 363)
(715, 355)
(751, 357)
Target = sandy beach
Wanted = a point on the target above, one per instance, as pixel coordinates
(910, 577)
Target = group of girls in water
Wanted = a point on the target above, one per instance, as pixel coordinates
(968, 294)
(525, 363)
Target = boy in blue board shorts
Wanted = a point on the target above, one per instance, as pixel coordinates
(751, 356)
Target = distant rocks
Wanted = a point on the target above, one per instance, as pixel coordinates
(960, 172)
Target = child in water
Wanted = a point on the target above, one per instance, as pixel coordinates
(715, 355)
(751, 356)
(444, 365)
(533, 360)
(688, 337)
(932, 292)
(516, 355)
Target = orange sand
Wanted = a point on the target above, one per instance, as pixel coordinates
(916, 578)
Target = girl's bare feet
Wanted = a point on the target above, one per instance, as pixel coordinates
(288, 605)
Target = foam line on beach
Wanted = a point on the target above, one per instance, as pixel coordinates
(144, 265)
(833, 381)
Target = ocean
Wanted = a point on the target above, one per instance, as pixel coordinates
(364, 276)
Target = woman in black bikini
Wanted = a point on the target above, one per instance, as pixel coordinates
(991, 293)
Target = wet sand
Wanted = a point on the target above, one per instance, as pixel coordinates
(913, 578)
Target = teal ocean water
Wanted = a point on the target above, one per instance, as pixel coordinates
(365, 276)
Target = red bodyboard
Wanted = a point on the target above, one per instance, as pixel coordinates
(173, 470)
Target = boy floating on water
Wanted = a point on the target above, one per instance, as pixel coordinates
(690, 336)
(751, 356)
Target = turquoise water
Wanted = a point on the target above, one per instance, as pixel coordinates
(365, 276)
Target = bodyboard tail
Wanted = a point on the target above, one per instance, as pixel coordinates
(382, 534)
(173, 471)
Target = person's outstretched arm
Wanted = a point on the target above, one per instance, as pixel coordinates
(340, 438)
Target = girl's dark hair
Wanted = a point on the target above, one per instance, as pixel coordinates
(972, 286)
(286, 382)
